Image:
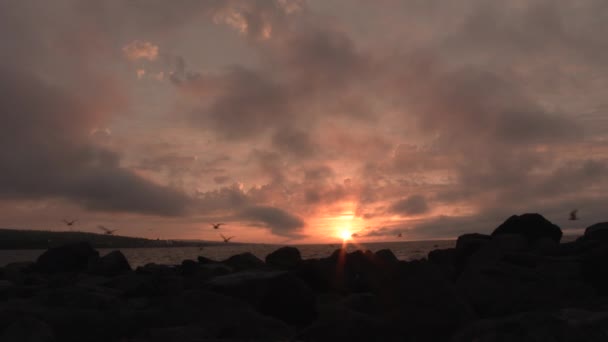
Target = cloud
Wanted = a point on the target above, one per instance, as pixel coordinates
(279, 221)
(138, 49)
(412, 205)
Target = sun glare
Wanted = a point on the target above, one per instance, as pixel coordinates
(345, 234)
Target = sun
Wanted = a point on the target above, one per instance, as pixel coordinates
(345, 234)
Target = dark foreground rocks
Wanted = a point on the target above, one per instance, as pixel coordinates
(517, 284)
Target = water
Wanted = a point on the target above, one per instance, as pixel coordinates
(409, 250)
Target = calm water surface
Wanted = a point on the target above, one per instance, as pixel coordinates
(409, 250)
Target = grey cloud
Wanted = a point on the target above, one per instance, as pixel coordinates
(279, 221)
(412, 205)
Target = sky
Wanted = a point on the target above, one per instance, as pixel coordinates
(292, 121)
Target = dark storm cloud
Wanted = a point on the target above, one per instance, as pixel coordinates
(45, 152)
(280, 222)
(412, 205)
(244, 103)
(294, 141)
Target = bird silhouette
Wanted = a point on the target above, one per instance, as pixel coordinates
(399, 235)
(573, 215)
(107, 231)
(217, 225)
(226, 239)
(69, 223)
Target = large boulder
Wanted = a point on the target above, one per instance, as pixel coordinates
(598, 231)
(74, 257)
(532, 226)
(284, 257)
(243, 261)
(111, 264)
(275, 293)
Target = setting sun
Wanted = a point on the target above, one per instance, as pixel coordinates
(345, 234)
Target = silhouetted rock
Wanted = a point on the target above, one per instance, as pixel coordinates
(17, 272)
(347, 326)
(423, 305)
(156, 269)
(110, 264)
(565, 325)
(506, 277)
(470, 243)
(204, 260)
(276, 293)
(243, 261)
(189, 267)
(68, 258)
(594, 263)
(284, 257)
(598, 231)
(386, 257)
(27, 329)
(531, 226)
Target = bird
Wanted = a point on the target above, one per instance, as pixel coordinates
(70, 223)
(573, 215)
(226, 239)
(107, 231)
(399, 235)
(217, 225)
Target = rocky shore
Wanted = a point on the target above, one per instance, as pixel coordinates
(517, 284)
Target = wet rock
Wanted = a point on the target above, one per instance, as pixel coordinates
(68, 258)
(531, 226)
(275, 293)
(243, 261)
(598, 231)
(111, 264)
(284, 257)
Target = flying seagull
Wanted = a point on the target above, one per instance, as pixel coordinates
(573, 215)
(107, 231)
(217, 225)
(226, 239)
(69, 223)
(399, 235)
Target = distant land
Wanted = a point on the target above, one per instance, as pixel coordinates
(42, 239)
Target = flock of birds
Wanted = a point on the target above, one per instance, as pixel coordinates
(107, 231)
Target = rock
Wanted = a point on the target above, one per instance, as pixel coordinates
(531, 226)
(27, 329)
(157, 270)
(111, 264)
(598, 231)
(594, 268)
(386, 257)
(189, 267)
(204, 260)
(147, 285)
(348, 326)
(17, 272)
(275, 293)
(422, 304)
(468, 244)
(68, 258)
(366, 303)
(504, 277)
(284, 257)
(243, 261)
(563, 325)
